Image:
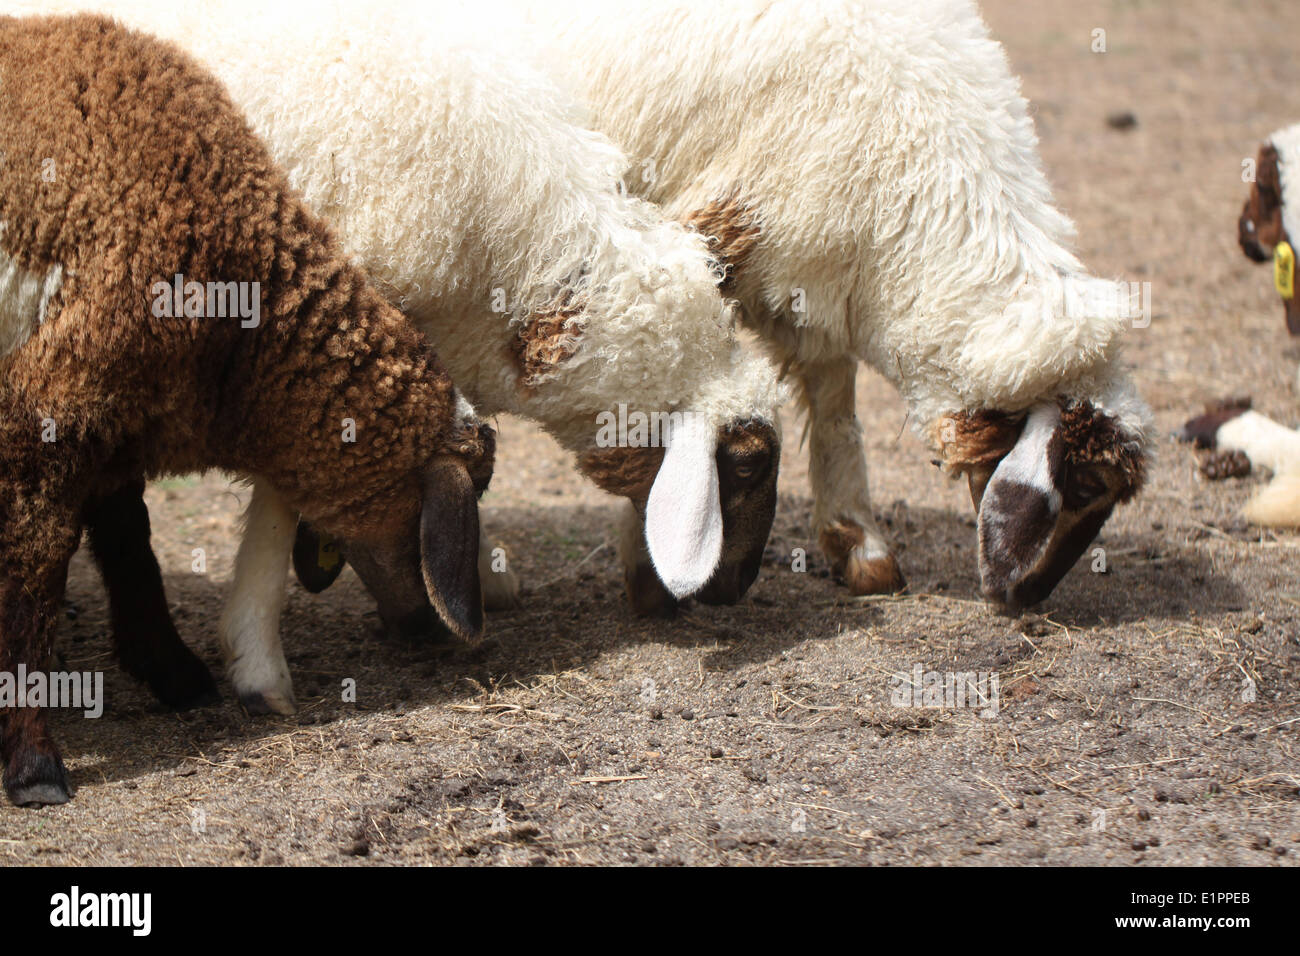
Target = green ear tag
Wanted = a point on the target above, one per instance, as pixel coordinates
(1284, 270)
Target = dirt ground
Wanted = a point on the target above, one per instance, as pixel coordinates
(765, 733)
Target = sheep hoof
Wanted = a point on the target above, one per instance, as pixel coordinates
(259, 703)
(873, 575)
(39, 781)
(189, 686)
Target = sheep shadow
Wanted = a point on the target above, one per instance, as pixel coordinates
(572, 612)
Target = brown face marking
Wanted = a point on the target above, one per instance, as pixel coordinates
(545, 339)
(1263, 208)
(748, 460)
(733, 232)
(975, 440)
(1073, 534)
(1094, 440)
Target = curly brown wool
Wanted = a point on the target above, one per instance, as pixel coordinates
(156, 174)
(1091, 436)
(545, 340)
(968, 440)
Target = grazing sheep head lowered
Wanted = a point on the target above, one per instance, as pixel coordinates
(706, 496)
(1043, 483)
(1267, 225)
(428, 571)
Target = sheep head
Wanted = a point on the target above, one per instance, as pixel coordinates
(425, 569)
(1042, 484)
(1262, 228)
(707, 496)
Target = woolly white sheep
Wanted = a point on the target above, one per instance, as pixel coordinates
(1232, 428)
(880, 163)
(459, 177)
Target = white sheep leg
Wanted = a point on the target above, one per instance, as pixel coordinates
(842, 519)
(499, 582)
(250, 623)
(1266, 443)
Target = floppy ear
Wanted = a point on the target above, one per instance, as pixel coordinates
(683, 515)
(1021, 504)
(449, 546)
(317, 559)
(977, 480)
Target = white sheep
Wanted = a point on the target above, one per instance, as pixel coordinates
(458, 176)
(879, 162)
(1233, 428)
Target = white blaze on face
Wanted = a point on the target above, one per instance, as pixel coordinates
(1027, 463)
(1020, 506)
(24, 300)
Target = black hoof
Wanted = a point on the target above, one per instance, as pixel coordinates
(37, 781)
(187, 685)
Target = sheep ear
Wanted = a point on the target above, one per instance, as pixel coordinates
(1021, 505)
(683, 516)
(317, 560)
(449, 542)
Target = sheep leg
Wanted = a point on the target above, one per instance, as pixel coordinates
(250, 623)
(147, 644)
(34, 774)
(1265, 442)
(499, 582)
(842, 519)
(645, 592)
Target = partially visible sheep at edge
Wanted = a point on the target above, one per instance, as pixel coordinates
(869, 173)
(126, 166)
(464, 183)
(1232, 428)
(1268, 220)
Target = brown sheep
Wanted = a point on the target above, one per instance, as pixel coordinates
(126, 169)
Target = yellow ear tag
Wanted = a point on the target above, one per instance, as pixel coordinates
(1284, 270)
(327, 556)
